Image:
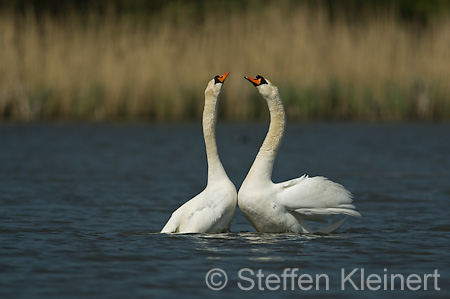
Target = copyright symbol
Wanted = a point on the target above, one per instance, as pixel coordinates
(216, 279)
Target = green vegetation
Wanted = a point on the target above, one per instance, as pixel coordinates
(151, 60)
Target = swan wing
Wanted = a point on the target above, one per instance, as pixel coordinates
(197, 221)
(205, 213)
(191, 217)
(206, 219)
(316, 196)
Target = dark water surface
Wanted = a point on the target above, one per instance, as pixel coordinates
(81, 205)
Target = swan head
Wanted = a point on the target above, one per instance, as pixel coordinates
(264, 86)
(215, 85)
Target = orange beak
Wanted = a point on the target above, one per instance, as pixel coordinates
(223, 77)
(255, 81)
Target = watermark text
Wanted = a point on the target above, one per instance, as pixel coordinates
(290, 279)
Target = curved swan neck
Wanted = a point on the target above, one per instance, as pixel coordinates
(263, 164)
(215, 168)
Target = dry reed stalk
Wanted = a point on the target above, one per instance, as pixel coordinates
(116, 68)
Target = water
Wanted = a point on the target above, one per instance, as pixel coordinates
(81, 206)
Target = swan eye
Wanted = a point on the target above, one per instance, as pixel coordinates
(262, 80)
(221, 79)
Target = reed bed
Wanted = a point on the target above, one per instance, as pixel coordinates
(122, 68)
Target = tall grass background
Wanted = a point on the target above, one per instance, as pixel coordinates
(128, 67)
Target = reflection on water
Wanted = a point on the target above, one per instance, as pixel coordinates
(82, 205)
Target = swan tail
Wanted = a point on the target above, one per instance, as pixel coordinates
(172, 226)
(169, 230)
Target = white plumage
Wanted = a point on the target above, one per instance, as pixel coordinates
(285, 207)
(212, 210)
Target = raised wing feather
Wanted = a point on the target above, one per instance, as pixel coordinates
(315, 196)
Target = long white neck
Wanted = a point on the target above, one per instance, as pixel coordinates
(263, 164)
(215, 168)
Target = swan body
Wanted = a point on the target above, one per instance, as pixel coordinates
(212, 210)
(286, 206)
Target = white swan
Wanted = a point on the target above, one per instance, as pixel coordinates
(212, 210)
(284, 207)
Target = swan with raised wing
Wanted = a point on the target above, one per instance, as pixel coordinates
(286, 206)
(212, 210)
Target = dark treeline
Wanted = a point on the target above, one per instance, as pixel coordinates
(416, 11)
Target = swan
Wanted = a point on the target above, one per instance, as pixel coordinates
(285, 207)
(212, 210)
